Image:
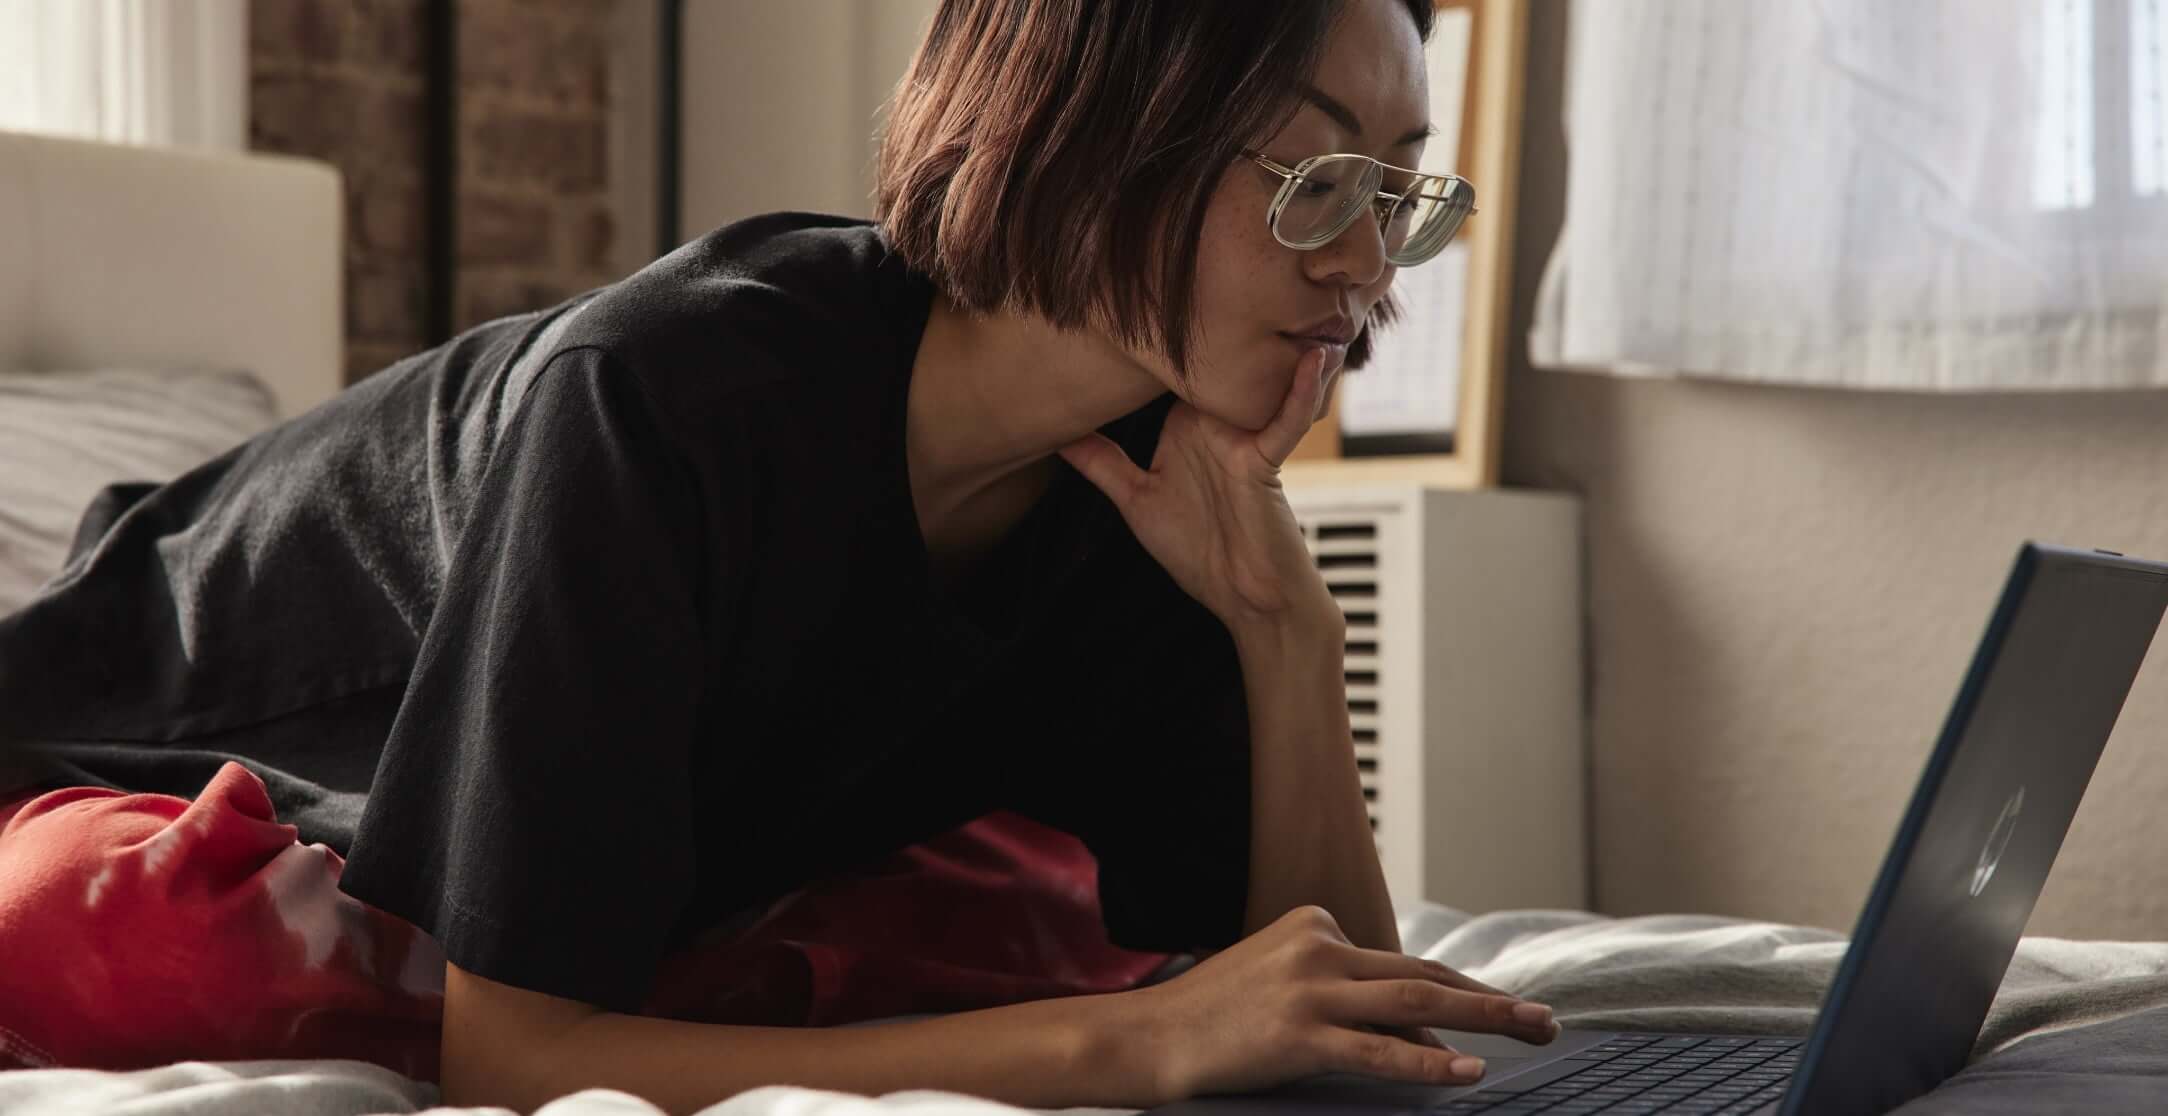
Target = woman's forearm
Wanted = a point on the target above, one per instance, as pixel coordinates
(1057, 1053)
(1310, 839)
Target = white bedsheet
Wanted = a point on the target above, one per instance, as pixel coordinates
(1657, 973)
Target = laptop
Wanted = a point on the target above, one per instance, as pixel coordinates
(1901, 1015)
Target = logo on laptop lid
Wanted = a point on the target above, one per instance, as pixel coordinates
(1997, 840)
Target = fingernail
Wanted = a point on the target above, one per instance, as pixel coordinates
(1535, 1015)
(1467, 1067)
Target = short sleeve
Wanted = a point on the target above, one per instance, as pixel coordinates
(530, 810)
(1157, 786)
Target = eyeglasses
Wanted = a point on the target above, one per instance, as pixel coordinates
(1321, 196)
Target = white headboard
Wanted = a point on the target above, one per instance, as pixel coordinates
(115, 256)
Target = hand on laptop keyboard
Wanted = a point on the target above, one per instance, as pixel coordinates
(1296, 999)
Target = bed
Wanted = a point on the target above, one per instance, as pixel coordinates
(122, 256)
(153, 305)
(170, 263)
(2079, 1026)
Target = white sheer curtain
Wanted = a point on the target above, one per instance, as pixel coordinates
(1902, 194)
(168, 72)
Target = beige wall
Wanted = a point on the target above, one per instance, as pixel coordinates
(781, 102)
(1785, 589)
(779, 106)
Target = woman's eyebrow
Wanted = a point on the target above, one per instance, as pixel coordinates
(1345, 118)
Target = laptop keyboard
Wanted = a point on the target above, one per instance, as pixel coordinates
(1675, 1075)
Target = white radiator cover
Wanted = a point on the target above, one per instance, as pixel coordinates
(1465, 685)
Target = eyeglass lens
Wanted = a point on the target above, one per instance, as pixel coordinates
(1325, 199)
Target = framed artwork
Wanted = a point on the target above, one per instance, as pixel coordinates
(1428, 407)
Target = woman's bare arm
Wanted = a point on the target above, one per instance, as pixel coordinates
(1310, 839)
(519, 1049)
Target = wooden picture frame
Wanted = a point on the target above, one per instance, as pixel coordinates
(1489, 156)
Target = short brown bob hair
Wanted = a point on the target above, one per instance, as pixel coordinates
(1039, 152)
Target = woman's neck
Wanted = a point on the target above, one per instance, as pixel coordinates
(991, 399)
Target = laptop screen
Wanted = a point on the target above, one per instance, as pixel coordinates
(2004, 780)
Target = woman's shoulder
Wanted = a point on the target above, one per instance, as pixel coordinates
(776, 295)
(745, 351)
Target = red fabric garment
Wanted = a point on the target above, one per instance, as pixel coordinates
(998, 911)
(142, 929)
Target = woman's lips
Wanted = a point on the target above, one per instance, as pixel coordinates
(1335, 352)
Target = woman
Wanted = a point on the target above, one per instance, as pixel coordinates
(597, 628)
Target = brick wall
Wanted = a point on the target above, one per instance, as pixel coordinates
(534, 218)
(342, 81)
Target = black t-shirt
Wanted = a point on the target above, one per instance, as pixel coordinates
(595, 627)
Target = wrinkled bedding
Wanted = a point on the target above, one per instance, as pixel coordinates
(2078, 1026)
(66, 434)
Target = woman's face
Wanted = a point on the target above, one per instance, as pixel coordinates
(1253, 291)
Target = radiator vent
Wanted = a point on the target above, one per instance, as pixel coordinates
(1463, 673)
(1346, 550)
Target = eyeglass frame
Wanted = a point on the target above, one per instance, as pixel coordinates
(1291, 175)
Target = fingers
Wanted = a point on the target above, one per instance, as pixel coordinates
(1379, 964)
(1390, 1057)
(1280, 436)
(1421, 1036)
(1105, 465)
(1425, 1003)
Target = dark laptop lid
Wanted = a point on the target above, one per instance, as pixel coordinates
(1974, 848)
